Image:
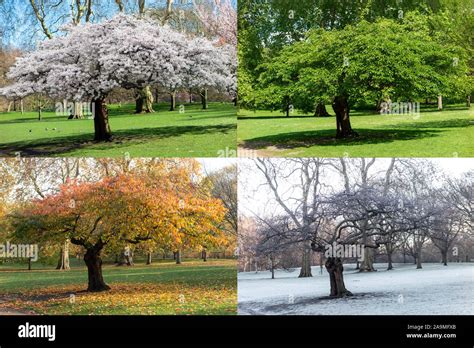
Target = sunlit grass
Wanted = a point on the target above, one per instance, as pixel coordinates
(192, 133)
(449, 133)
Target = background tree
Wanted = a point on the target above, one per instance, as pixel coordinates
(224, 187)
(446, 227)
(271, 243)
(302, 203)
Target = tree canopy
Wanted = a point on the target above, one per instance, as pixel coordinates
(315, 52)
(166, 207)
(92, 59)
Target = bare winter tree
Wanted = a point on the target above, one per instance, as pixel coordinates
(247, 242)
(224, 187)
(272, 242)
(460, 194)
(451, 220)
(357, 175)
(419, 203)
(300, 200)
(364, 216)
(388, 204)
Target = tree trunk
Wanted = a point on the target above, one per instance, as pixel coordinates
(390, 265)
(144, 101)
(444, 257)
(367, 264)
(101, 121)
(9, 106)
(138, 103)
(77, 112)
(340, 106)
(204, 255)
(148, 259)
(63, 262)
(173, 101)
(178, 257)
(272, 265)
(306, 263)
(94, 269)
(39, 109)
(21, 106)
(468, 101)
(29, 264)
(440, 102)
(204, 99)
(384, 106)
(336, 277)
(418, 260)
(147, 104)
(321, 111)
(126, 257)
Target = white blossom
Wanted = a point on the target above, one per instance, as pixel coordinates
(90, 60)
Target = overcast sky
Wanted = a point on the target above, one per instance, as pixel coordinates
(210, 165)
(256, 198)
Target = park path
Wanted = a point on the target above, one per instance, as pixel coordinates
(4, 311)
(11, 311)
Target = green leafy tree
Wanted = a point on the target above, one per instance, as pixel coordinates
(374, 60)
(266, 27)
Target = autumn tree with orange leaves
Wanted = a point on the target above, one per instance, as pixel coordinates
(167, 207)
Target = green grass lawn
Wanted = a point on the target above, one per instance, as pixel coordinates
(449, 133)
(194, 133)
(194, 287)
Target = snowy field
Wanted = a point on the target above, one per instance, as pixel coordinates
(433, 290)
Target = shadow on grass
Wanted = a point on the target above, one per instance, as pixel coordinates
(128, 110)
(328, 138)
(272, 117)
(390, 133)
(62, 145)
(33, 119)
(452, 123)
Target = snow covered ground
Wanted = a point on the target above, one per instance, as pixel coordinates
(433, 290)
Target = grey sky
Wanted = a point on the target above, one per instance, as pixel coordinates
(255, 197)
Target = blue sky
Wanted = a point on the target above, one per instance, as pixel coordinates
(20, 29)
